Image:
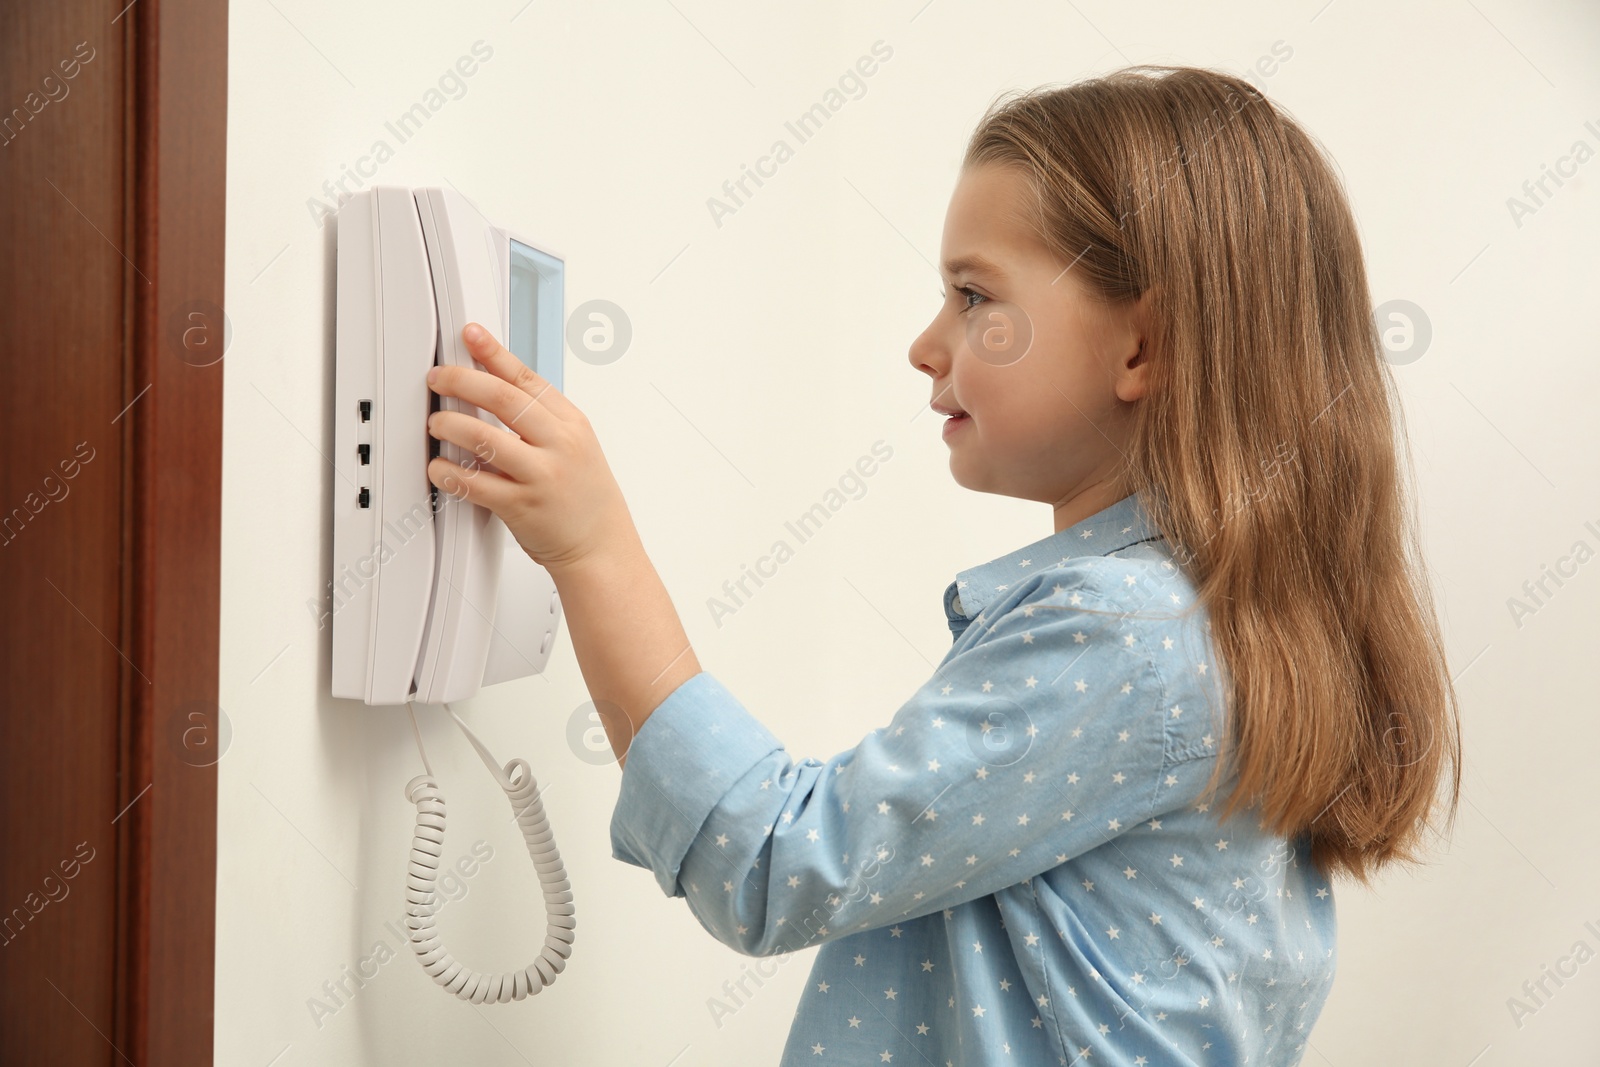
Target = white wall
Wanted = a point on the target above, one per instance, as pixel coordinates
(768, 354)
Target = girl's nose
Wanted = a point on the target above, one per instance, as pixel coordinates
(928, 353)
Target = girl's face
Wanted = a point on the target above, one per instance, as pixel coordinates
(1045, 375)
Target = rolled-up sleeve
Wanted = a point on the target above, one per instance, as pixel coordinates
(1041, 735)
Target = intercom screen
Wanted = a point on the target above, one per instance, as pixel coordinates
(536, 303)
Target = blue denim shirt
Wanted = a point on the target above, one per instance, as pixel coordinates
(1020, 867)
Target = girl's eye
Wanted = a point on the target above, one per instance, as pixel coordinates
(969, 294)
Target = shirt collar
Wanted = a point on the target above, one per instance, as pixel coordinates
(1110, 530)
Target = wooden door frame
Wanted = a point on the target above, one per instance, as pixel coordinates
(175, 192)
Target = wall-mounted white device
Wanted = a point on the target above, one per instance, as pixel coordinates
(433, 597)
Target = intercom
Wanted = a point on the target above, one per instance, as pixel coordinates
(433, 596)
(430, 600)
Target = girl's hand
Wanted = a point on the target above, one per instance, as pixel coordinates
(550, 483)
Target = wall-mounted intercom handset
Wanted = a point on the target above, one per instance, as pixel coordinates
(433, 597)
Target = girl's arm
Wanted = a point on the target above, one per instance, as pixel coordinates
(1045, 733)
(630, 643)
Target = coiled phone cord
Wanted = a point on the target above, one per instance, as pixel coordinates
(427, 846)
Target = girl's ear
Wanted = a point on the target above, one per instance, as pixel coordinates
(1133, 374)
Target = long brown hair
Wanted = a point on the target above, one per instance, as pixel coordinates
(1265, 447)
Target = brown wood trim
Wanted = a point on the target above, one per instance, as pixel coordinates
(175, 213)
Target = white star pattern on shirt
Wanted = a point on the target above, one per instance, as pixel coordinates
(1053, 670)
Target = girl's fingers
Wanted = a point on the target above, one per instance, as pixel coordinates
(493, 491)
(502, 364)
(507, 451)
(518, 410)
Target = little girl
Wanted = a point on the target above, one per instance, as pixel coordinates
(1107, 829)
